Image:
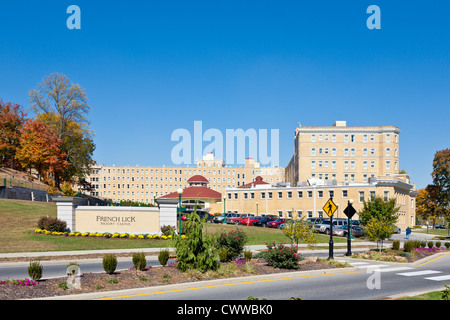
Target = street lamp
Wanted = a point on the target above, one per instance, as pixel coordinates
(224, 209)
(257, 208)
(180, 192)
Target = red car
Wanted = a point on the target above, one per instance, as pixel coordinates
(277, 223)
(242, 217)
(249, 220)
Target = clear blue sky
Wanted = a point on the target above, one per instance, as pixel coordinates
(150, 67)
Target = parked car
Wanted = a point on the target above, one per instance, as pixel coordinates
(440, 226)
(202, 214)
(249, 220)
(231, 217)
(277, 223)
(313, 221)
(263, 221)
(324, 227)
(397, 230)
(242, 217)
(219, 219)
(342, 231)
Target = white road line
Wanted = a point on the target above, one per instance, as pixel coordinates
(418, 273)
(372, 266)
(358, 263)
(394, 269)
(440, 278)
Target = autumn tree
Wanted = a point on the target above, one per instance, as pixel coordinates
(441, 180)
(12, 118)
(39, 149)
(61, 104)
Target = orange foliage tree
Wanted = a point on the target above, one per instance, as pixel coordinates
(39, 148)
(12, 118)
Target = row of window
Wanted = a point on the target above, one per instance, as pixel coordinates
(351, 152)
(300, 194)
(351, 137)
(185, 171)
(349, 164)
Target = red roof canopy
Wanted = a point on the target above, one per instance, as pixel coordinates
(258, 180)
(196, 193)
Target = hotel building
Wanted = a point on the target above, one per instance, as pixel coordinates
(346, 163)
(145, 184)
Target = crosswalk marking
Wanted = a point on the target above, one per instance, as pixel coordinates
(394, 269)
(439, 278)
(418, 273)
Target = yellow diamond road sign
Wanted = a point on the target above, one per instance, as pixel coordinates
(329, 207)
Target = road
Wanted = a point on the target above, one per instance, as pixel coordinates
(367, 282)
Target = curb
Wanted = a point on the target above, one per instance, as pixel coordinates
(106, 295)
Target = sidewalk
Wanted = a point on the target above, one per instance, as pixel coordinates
(253, 248)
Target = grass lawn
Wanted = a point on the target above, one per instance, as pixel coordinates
(434, 295)
(18, 220)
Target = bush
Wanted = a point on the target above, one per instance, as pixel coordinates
(437, 244)
(35, 270)
(423, 244)
(396, 245)
(109, 263)
(198, 250)
(167, 230)
(410, 245)
(139, 261)
(223, 254)
(52, 224)
(163, 257)
(280, 256)
(233, 241)
(447, 245)
(248, 255)
(430, 244)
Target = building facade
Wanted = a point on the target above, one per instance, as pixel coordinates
(343, 154)
(307, 201)
(145, 184)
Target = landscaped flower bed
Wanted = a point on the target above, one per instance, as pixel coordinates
(106, 235)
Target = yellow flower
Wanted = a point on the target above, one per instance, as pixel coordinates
(132, 236)
(140, 236)
(47, 232)
(37, 231)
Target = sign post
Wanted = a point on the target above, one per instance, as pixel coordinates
(330, 208)
(349, 212)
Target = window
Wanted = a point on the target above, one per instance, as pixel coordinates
(236, 196)
(280, 195)
(309, 194)
(310, 214)
(361, 196)
(269, 195)
(333, 138)
(352, 138)
(263, 195)
(388, 152)
(365, 138)
(313, 165)
(313, 138)
(388, 138)
(280, 213)
(300, 194)
(333, 164)
(344, 193)
(333, 152)
(346, 165)
(289, 194)
(346, 152)
(388, 165)
(330, 193)
(372, 195)
(320, 194)
(299, 214)
(346, 138)
(313, 152)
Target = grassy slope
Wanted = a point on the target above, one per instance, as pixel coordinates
(18, 220)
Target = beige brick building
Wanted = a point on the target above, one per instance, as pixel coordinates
(343, 154)
(144, 184)
(348, 163)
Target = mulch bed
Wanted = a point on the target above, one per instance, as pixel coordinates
(127, 279)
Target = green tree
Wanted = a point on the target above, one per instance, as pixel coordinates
(299, 230)
(197, 251)
(379, 209)
(378, 230)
